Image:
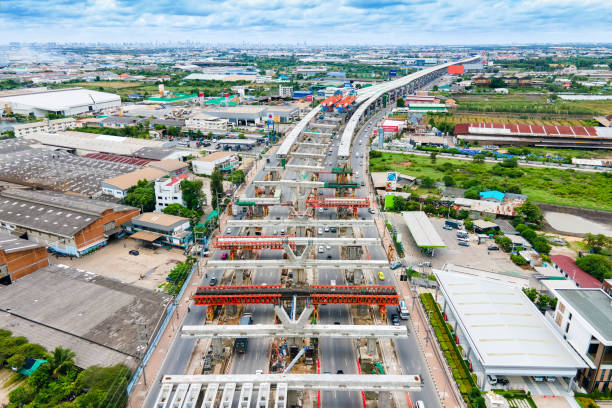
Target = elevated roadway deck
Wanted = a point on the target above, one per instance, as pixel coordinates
(308, 331)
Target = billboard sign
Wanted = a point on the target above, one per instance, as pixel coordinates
(391, 182)
(393, 73)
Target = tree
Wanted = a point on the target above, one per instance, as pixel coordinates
(472, 193)
(432, 156)
(237, 177)
(192, 194)
(598, 266)
(62, 360)
(141, 196)
(478, 158)
(597, 242)
(428, 182)
(509, 162)
(531, 293)
(530, 213)
(497, 83)
(182, 211)
(401, 103)
(216, 187)
(504, 242)
(448, 181)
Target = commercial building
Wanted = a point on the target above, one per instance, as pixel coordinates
(160, 229)
(66, 224)
(536, 135)
(168, 191)
(46, 125)
(67, 102)
(172, 167)
(19, 257)
(206, 123)
(225, 161)
(282, 113)
(285, 91)
(570, 270)
(118, 186)
(584, 318)
(501, 332)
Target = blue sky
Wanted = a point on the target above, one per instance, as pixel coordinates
(402, 22)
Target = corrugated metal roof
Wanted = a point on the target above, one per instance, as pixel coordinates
(422, 230)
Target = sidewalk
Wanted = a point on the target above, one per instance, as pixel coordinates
(444, 384)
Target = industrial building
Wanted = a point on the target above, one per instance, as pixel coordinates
(225, 161)
(83, 143)
(55, 170)
(44, 126)
(241, 115)
(66, 224)
(19, 257)
(67, 102)
(503, 333)
(536, 135)
(584, 318)
(60, 306)
(119, 186)
(160, 229)
(282, 113)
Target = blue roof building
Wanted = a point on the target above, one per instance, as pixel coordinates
(492, 195)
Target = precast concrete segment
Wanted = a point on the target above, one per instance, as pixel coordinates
(245, 396)
(280, 399)
(308, 331)
(344, 149)
(210, 396)
(289, 183)
(323, 382)
(227, 398)
(291, 138)
(263, 396)
(298, 264)
(163, 398)
(192, 396)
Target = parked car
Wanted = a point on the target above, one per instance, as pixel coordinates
(333, 229)
(424, 263)
(134, 252)
(326, 229)
(381, 275)
(212, 281)
(321, 249)
(492, 379)
(371, 211)
(447, 227)
(395, 319)
(320, 231)
(228, 230)
(395, 265)
(463, 243)
(329, 256)
(502, 380)
(493, 248)
(224, 256)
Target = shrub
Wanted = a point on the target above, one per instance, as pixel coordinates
(518, 260)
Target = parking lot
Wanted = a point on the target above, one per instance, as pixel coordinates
(147, 270)
(473, 256)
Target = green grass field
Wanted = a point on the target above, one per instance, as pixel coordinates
(563, 187)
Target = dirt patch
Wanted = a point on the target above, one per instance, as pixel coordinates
(5, 376)
(406, 164)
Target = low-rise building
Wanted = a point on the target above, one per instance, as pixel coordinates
(170, 166)
(225, 161)
(584, 318)
(168, 191)
(64, 223)
(46, 125)
(19, 257)
(206, 123)
(285, 91)
(569, 269)
(161, 229)
(118, 186)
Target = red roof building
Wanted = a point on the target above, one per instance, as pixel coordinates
(567, 267)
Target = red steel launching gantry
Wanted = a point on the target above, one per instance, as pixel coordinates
(346, 102)
(250, 243)
(329, 103)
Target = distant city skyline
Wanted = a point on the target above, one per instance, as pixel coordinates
(291, 22)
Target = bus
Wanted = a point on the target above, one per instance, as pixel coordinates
(403, 310)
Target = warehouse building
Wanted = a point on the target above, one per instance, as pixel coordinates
(502, 333)
(584, 317)
(119, 186)
(67, 102)
(83, 143)
(19, 257)
(55, 170)
(66, 224)
(172, 167)
(240, 115)
(206, 123)
(536, 135)
(283, 113)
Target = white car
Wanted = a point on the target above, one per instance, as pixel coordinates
(320, 231)
(321, 249)
(228, 230)
(326, 229)
(328, 247)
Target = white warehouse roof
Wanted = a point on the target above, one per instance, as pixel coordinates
(505, 330)
(62, 99)
(422, 230)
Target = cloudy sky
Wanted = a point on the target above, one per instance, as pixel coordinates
(402, 22)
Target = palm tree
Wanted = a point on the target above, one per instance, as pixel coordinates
(63, 359)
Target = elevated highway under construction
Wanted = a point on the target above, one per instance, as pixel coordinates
(303, 242)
